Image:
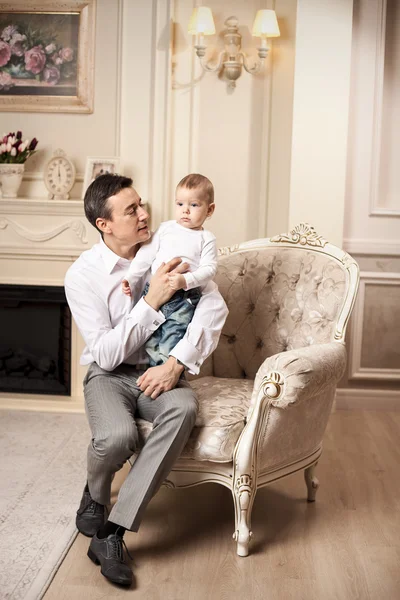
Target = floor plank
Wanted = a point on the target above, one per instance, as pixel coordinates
(345, 546)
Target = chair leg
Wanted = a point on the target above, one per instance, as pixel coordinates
(312, 482)
(243, 497)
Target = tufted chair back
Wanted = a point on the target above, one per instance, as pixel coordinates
(279, 298)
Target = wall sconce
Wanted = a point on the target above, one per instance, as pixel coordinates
(232, 58)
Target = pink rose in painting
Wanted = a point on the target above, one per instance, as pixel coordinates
(5, 81)
(50, 48)
(35, 59)
(56, 59)
(51, 75)
(66, 54)
(5, 53)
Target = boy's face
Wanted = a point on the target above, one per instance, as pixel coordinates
(191, 208)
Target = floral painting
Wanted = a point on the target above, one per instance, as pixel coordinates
(38, 53)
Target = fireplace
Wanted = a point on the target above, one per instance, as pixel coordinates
(35, 341)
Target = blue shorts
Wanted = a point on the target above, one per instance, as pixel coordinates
(178, 312)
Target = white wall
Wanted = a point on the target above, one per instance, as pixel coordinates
(320, 115)
(268, 146)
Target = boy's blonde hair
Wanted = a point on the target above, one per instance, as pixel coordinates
(195, 181)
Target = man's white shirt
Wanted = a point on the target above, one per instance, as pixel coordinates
(115, 327)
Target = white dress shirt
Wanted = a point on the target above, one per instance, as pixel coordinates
(115, 327)
(196, 247)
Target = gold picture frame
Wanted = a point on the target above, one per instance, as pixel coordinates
(47, 56)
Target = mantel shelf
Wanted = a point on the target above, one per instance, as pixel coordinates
(42, 206)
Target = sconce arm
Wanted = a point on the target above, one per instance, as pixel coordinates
(208, 66)
(255, 68)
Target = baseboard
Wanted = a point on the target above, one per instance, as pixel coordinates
(366, 399)
(41, 403)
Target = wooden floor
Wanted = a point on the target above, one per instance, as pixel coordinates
(346, 546)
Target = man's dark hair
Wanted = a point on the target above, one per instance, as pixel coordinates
(99, 191)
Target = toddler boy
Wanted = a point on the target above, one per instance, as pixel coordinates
(183, 237)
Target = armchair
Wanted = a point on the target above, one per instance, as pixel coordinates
(267, 391)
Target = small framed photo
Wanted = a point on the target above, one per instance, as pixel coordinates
(98, 166)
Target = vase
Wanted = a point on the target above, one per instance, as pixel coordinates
(10, 179)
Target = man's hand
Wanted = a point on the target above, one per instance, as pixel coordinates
(160, 290)
(177, 281)
(163, 378)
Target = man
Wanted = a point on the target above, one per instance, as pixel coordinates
(118, 385)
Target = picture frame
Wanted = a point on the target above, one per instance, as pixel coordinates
(96, 166)
(47, 56)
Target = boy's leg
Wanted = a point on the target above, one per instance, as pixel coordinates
(167, 336)
(173, 415)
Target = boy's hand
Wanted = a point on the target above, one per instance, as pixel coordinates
(163, 378)
(160, 290)
(126, 288)
(177, 281)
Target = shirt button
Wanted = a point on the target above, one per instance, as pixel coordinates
(156, 323)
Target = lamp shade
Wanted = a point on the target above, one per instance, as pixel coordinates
(266, 24)
(201, 21)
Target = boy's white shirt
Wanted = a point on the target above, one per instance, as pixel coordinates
(196, 247)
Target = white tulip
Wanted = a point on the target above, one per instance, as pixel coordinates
(14, 152)
(8, 147)
(21, 148)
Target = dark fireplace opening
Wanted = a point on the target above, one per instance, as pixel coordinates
(35, 340)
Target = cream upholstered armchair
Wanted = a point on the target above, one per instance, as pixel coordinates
(267, 391)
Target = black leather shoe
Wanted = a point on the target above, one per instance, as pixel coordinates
(109, 553)
(90, 515)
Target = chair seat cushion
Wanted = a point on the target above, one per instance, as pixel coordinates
(223, 405)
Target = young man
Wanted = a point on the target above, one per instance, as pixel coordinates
(118, 385)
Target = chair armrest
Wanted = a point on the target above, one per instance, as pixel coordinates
(289, 377)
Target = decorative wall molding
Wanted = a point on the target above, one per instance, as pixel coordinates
(161, 134)
(356, 371)
(375, 247)
(78, 227)
(118, 68)
(378, 101)
(376, 209)
(366, 399)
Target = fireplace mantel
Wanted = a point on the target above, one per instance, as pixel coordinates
(39, 240)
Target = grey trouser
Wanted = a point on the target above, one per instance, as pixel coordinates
(112, 401)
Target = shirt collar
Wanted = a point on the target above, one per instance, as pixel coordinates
(109, 257)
